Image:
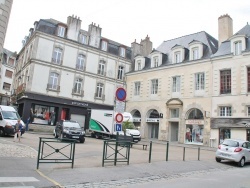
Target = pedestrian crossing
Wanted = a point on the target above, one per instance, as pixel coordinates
(17, 179)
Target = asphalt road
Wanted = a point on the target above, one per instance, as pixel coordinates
(18, 162)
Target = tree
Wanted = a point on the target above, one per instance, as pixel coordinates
(127, 125)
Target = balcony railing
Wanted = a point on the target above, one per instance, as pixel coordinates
(101, 97)
(79, 93)
(101, 72)
(80, 67)
(57, 61)
(53, 87)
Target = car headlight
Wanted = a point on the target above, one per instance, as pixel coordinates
(66, 131)
(83, 133)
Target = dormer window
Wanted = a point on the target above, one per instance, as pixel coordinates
(83, 39)
(61, 31)
(237, 47)
(139, 65)
(177, 57)
(238, 44)
(195, 53)
(104, 45)
(155, 61)
(122, 52)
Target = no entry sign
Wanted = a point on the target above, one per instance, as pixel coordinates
(119, 118)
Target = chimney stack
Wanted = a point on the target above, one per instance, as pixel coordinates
(225, 28)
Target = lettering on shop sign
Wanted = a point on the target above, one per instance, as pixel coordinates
(136, 119)
(152, 120)
(80, 104)
(195, 121)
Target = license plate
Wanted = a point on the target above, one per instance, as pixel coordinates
(225, 155)
(75, 136)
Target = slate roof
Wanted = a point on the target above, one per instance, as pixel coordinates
(225, 47)
(211, 44)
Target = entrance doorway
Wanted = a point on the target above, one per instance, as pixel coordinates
(174, 127)
(153, 131)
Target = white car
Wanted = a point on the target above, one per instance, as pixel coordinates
(234, 150)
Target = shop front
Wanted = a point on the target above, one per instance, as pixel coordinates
(225, 128)
(47, 110)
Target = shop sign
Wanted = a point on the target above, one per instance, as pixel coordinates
(136, 119)
(80, 104)
(152, 120)
(195, 122)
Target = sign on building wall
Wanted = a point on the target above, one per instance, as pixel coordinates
(195, 122)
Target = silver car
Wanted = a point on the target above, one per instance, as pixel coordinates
(234, 150)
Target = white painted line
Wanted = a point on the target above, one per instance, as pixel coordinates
(17, 179)
(20, 187)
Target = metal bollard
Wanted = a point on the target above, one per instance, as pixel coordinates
(150, 151)
(104, 152)
(184, 154)
(167, 151)
(198, 153)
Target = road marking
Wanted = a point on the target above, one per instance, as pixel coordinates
(20, 187)
(53, 181)
(17, 179)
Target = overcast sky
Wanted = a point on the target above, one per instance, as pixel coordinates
(126, 20)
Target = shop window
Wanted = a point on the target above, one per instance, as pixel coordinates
(44, 114)
(194, 134)
(224, 134)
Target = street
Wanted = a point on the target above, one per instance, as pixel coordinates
(18, 162)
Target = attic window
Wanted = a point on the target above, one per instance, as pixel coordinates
(60, 31)
(122, 52)
(155, 61)
(177, 57)
(195, 53)
(104, 45)
(139, 65)
(237, 48)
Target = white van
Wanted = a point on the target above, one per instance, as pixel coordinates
(8, 119)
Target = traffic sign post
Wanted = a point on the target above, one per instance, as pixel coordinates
(118, 127)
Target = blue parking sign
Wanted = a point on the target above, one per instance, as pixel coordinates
(118, 127)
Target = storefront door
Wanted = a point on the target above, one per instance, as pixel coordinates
(174, 131)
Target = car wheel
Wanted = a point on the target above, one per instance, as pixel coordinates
(2, 133)
(241, 163)
(82, 140)
(218, 159)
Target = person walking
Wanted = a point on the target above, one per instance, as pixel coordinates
(18, 128)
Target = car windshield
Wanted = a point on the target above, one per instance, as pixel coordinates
(230, 143)
(10, 115)
(71, 125)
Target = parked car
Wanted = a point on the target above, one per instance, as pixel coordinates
(234, 150)
(69, 129)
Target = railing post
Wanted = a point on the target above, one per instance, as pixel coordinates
(150, 151)
(38, 156)
(167, 151)
(198, 153)
(184, 154)
(116, 146)
(103, 153)
(74, 147)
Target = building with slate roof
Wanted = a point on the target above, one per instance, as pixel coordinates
(64, 69)
(188, 89)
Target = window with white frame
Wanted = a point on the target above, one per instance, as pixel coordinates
(99, 90)
(104, 45)
(77, 86)
(6, 86)
(53, 81)
(195, 53)
(177, 57)
(122, 52)
(155, 61)
(57, 56)
(199, 81)
(101, 68)
(83, 39)
(80, 62)
(137, 88)
(225, 111)
(139, 65)
(174, 113)
(237, 48)
(176, 84)
(154, 86)
(120, 72)
(61, 31)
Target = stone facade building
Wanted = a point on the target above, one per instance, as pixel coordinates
(184, 89)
